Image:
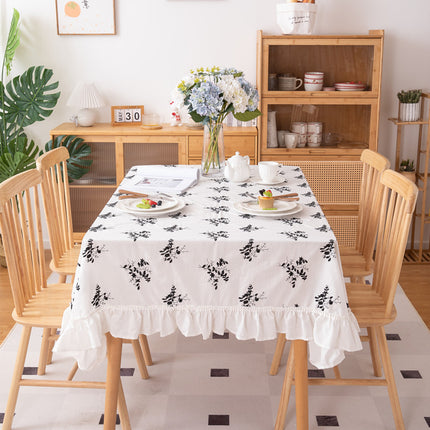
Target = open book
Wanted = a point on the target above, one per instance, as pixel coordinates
(167, 179)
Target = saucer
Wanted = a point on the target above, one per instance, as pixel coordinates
(276, 181)
(239, 207)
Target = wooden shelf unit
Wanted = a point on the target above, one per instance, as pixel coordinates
(421, 217)
(115, 149)
(353, 116)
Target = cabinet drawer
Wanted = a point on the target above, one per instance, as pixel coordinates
(244, 144)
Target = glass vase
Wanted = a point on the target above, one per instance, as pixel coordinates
(213, 160)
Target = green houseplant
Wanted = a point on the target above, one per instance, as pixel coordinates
(407, 168)
(409, 106)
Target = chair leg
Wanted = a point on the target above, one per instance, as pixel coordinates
(51, 345)
(280, 344)
(145, 348)
(286, 391)
(139, 358)
(44, 352)
(122, 409)
(373, 344)
(72, 373)
(62, 278)
(17, 374)
(389, 376)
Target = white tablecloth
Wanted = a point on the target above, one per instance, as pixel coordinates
(209, 269)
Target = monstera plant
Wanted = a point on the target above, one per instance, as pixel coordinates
(24, 100)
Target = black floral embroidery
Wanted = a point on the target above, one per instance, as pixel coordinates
(217, 221)
(215, 235)
(317, 215)
(295, 270)
(247, 216)
(112, 204)
(308, 194)
(323, 300)
(249, 228)
(173, 299)
(130, 176)
(138, 234)
(106, 215)
(245, 185)
(91, 252)
(250, 298)
(100, 298)
(323, 229)
(299, 177)
(219, 180)
(143, 221)
(247, 194)
(292, 221)
(173, 228)
(170, 251)
(220, 189)
(177, 215)
(297, 169)
(217, 271)
(303, 185)
(250, 251)
(295, 234)
(96, 228)
(218, 209)
(219, 199)
(311, 204)
(283, 189)
(184, 194)
(328, 250)
(138, 271)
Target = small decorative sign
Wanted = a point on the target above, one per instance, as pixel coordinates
(126, 115)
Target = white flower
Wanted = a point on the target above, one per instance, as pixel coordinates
(178, 98)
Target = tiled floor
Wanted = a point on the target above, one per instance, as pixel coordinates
(223, 383)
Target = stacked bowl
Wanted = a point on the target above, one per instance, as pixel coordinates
(314, 81)
(350, 86)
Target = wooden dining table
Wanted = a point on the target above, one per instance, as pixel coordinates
(208, 260)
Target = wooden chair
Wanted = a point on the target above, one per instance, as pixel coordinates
(373, 305)
(37, 304)
(356, 235)
(65, 251)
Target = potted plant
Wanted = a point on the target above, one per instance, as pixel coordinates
(407, 168)
(409, 106)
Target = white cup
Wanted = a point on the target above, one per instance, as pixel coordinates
(299, 127)
(291, 140)
(268, 170)
(313, 87)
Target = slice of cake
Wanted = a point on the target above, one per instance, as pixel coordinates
(266, 200)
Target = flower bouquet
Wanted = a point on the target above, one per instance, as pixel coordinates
(210, 95)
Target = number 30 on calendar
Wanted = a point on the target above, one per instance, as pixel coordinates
(127, 115)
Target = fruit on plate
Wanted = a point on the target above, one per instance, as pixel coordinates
(148, 204)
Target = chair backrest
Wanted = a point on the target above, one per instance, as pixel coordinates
(399, 196)
(56, 200)
(335, 183)
(374, 165)
(20, 224)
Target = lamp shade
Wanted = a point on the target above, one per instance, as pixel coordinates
(85, 96)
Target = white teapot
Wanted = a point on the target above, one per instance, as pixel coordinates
(237, 168)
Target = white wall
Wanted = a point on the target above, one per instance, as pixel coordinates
(158, 41)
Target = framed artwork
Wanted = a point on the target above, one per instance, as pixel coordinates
(85, 17)
(126, 115)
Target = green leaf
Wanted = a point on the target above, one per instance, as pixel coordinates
(21, 157)
(28, 98)
(247, 116)
(196, 117)
(78, 164)
(12, 42)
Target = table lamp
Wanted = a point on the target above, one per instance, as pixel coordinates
(88, 99)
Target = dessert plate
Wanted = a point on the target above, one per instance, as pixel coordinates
(238, 206)
(171, 210)
(280, 206)
(276, 181)
(131, 204)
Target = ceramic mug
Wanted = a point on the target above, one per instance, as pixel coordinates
(268, 170)
(289, 83)
(291, 140)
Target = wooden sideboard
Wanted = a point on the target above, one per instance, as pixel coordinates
(115, 149)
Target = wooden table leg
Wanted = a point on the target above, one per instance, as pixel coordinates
(301, 378)
(114, 351)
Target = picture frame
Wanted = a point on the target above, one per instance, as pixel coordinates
(85, 17)
(126, 115)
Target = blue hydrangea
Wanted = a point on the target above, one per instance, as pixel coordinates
(206, 99)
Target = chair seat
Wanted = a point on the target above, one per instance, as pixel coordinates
(46, 308)
(368, 306)
(68, 261)
(354, 264)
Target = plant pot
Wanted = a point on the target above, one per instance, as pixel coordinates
(409, 111)
(409, 175)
